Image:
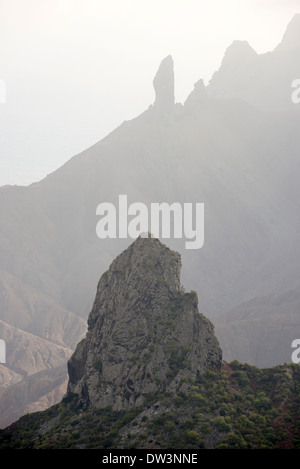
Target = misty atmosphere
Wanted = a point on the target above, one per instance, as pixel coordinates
(139, 342)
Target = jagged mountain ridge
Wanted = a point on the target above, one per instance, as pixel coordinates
(291, 38)
(263, 80)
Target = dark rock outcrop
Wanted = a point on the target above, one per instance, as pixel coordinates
(144, 333)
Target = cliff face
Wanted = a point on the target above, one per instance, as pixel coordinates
(144, 333)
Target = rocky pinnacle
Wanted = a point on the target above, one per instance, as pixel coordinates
(164, 85)
(144, 333)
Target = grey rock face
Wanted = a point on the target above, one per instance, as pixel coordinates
(164, 85)
(291, 38)
(197, 96)
(144, 333)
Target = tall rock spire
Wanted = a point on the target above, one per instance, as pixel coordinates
(164, 85)
(144, 333)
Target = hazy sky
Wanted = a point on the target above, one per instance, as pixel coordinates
(75, 69)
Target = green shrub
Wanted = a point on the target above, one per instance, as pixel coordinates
(242, 378)
(193, 438)
(262, 402)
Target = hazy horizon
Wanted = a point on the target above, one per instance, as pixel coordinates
(76, 70)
